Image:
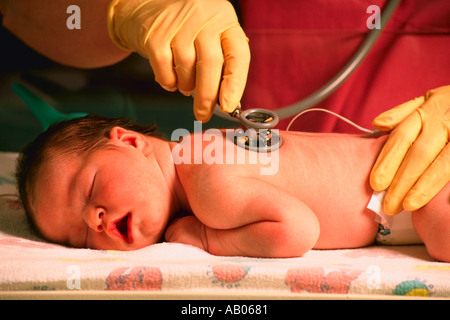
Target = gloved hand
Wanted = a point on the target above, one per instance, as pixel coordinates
(192, 45)
(415, 161)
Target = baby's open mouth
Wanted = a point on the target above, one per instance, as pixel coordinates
(122, 228)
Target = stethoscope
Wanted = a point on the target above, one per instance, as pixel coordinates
(260, 122)
(259, 135)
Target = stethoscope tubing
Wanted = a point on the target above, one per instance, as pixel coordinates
(336, 81)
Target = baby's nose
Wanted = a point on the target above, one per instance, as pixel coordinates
(94, 218)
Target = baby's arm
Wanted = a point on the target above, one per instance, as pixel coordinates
(247, 217)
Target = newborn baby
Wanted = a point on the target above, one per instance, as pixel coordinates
(111, 184)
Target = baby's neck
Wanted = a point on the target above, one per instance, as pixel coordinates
(162, 153)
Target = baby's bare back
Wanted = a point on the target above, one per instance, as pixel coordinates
(328, 172)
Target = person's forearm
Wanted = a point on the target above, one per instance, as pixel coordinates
(42, 26)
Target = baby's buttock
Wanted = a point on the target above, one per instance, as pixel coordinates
(351, 230)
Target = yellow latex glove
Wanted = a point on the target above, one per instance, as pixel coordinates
(193, 45)
(415, 161)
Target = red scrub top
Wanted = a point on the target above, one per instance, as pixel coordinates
(297, 46)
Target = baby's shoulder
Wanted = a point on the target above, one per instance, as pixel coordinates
(204, 180)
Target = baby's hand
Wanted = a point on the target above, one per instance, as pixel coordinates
(187, 230)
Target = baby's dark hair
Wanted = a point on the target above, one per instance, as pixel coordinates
(75, 137)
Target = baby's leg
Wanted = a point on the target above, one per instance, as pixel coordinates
(432, 224)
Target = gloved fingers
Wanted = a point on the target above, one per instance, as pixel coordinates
(419, 157)
(391, 118)
(184, 48)
(208, 74)
(161, 61)
(184, 59)
(443, 90)
(394, 151)
(236, 63)
(433, 180)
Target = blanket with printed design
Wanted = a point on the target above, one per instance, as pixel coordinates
(28, 263)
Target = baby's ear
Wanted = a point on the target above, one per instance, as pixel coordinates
(132, 138)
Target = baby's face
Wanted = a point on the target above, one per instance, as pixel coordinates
(113, 198)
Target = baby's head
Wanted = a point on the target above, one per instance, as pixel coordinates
(95, 182)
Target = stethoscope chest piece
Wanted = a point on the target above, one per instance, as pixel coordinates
(259, 135)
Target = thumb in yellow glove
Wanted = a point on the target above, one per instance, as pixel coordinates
(193, 45)
(415, 161)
